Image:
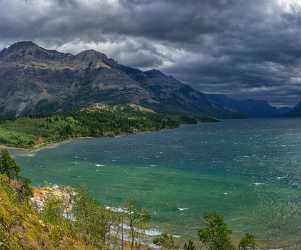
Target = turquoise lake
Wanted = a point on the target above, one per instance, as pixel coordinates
(247, 170)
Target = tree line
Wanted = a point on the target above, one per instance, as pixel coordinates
(28, 132)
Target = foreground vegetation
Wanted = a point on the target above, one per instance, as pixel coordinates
(87, 225)
(31, 132)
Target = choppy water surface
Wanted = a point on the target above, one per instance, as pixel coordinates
(248, 170)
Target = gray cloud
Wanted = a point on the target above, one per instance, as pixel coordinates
(241, 48)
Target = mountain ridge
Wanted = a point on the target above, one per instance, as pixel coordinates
(250, 107)
(34, 80)
(296, 111)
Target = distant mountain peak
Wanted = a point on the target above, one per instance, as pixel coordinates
(23, 44)
(27, 50)
(91, 54)
(155, 72)
(94, 55)
(249, 107)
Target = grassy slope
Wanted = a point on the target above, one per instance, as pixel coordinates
(109, 121)
(21, 227)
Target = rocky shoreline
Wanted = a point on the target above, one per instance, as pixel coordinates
(68, 194)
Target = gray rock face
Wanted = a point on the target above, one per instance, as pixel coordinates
(34, 80)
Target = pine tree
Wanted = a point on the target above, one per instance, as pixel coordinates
(8, 165)
(216, 236)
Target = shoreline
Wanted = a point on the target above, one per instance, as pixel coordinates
(39, 147)
(32, 134)
(280, 244)
(51, 145)
(67, 193)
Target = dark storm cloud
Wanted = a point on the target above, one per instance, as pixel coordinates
(238, 47)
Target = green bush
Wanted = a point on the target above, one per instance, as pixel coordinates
(247, 242)
(166, 241)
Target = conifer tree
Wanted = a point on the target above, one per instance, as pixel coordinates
(216, 235)
(8, 165)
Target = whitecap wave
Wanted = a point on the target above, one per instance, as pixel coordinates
(258, 183)
(30, 155)
(152, 232)
(182, 208)
(99, 165)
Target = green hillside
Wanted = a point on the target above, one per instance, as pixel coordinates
(33, 132)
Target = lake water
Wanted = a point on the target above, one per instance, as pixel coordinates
(247, 170)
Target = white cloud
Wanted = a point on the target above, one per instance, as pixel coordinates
(289, 6)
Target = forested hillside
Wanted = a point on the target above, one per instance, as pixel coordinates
(97, 120)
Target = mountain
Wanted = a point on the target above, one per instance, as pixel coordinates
(34, 80)
(296, 111)
(249, 107)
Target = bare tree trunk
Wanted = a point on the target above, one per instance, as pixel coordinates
(122, 236)
(132, 236)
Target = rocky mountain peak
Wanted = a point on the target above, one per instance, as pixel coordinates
(23, 44)
(34, 80)
(91, 53)
(155, 73)
(21, 47)
(94, 56)
(28, 50)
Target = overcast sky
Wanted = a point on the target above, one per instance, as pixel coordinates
(243, 48)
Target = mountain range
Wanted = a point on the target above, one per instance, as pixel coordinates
(296, 111)
(34, 80)
(250, 107)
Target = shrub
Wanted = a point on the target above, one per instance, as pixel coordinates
(166, 241)
(247, 242)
